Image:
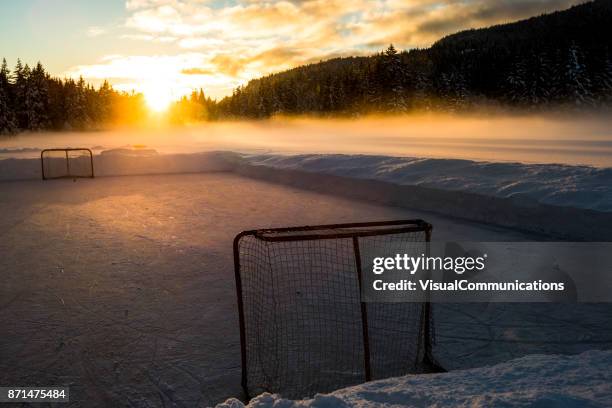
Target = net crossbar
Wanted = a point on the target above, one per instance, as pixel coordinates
(66, 163)
(303, 326)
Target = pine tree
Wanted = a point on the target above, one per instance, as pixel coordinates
(578, 82)
(516, 90)
(393, 76)
(5, 75)
(37, 99)
(454, 89)
(75, 105)
(105, 100)
(20, 81)
(7, 116)
(605, 79)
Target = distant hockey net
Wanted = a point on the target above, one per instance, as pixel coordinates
(66, 163)
(303, 326)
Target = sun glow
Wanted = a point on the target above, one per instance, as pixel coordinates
(158, 97)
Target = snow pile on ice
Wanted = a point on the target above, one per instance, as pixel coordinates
(19, 150)
(130, 152)
(128, 161)
(583, 380)
(564, 185)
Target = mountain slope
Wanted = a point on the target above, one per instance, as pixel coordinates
(559, 59)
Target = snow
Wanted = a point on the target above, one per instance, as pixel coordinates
(583, 380)
(572, 186)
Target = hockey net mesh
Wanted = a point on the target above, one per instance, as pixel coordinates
(303, 316)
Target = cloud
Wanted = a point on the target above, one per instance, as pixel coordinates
(507, 10)
(150, 38)
(229, 64)
(458, 16)
(419, 23)
(200, 42)
(196, 71)
(95, 31)
(177, 75)
(222, 44)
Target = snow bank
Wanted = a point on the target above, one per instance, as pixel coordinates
(563, 185)
(583, 380)
(124, 161)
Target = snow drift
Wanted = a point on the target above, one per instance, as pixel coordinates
(563, 185)
(583, 380)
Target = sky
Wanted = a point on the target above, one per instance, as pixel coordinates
(166, 48)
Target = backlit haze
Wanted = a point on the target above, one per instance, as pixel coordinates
(166, 48)
(586, 140)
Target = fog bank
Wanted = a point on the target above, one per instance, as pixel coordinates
(583, 140)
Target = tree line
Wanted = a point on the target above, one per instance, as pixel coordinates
(558, 60)
(33, 100)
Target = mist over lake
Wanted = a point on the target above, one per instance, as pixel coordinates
(527, 139)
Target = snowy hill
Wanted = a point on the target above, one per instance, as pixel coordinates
(584, 380)
(548, 61)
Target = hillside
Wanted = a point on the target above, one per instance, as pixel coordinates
(558, 59)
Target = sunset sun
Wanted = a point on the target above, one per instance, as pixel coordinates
(158, 97)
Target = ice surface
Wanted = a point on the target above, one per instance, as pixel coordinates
(123, 288)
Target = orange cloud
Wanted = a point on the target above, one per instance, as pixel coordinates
(196, 71)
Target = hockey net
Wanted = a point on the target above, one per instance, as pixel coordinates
(304, 327)
(66, 163)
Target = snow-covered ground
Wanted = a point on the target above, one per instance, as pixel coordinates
(563, 185)
(122, 287)
(578, 381)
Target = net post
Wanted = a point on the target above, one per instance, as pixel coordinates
(91, 162)
(427, 308)
(364, 314)
(243, 356)
(428, 361)
(42, 164)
